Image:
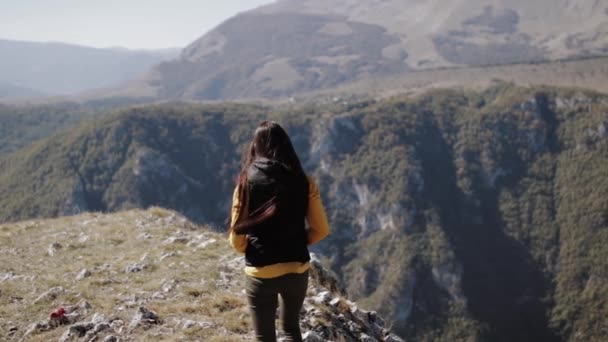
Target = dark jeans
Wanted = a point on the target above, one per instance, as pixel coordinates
(262, 295)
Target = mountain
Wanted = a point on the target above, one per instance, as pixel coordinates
(293, 46)
(60, 69)
(11, 91)
(165, 279)
(457, 215)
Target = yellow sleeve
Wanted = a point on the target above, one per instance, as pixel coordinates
(238, 242)
(317, 220)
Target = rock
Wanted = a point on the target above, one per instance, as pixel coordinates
(169, 286)
(99, 327)
(602, 130)
(206, 243)
(321, 298)
(144, 318)
(111, 338)
(84, 305)
(176, 239)
(143, 264)
(158, 295)
(37, 327)
(335, 302)
(191, 323)
(167, 255)
(83, 274)
(117, 325)
(6, 276)
(311, 336)
(144, 236)
(80, 329)
(73, 317)
(393, 338)
(136, 267)
(53, 248)
(50, 294)
(366, 338)
(98, 318)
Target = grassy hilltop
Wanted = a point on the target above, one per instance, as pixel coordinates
(106, 270)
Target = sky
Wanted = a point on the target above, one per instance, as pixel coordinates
(133, 24)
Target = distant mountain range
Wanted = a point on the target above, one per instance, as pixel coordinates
(29, 68)
(8, 90)
(292, 46)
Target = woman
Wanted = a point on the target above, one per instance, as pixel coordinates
(272, 199)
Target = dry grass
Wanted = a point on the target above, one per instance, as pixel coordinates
(181, 287)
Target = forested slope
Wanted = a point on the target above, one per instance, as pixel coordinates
(458, 215)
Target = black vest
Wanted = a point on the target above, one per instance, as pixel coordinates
(283, 237)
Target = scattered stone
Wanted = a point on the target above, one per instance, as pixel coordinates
(366, 338)
(176, 239)
(117, 325)
(136, 267)
(37, 327)
(144, 236)
(98, 318)
(6, 276)
(191, 323)
(144, 318)
(206, 243)
(80, 329)
(85, 305)
(167, 255)
(335, 302)
(99, 327)
(111, 338)
(322, 298)
(311, 336)
(158, 295)
(50, 294)
(169, 286)
(83, 274)
(54, 247)
(393, 338)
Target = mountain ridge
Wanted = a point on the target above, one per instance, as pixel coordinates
(289, 47)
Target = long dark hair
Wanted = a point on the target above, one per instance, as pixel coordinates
(272, 142)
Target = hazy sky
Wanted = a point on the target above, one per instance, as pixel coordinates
(127, 23)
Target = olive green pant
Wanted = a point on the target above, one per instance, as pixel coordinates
(262, 295)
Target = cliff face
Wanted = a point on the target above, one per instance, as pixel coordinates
(455, 215)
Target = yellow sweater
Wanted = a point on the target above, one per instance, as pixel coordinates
(319, 229)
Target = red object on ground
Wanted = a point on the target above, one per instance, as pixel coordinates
(58, 313)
